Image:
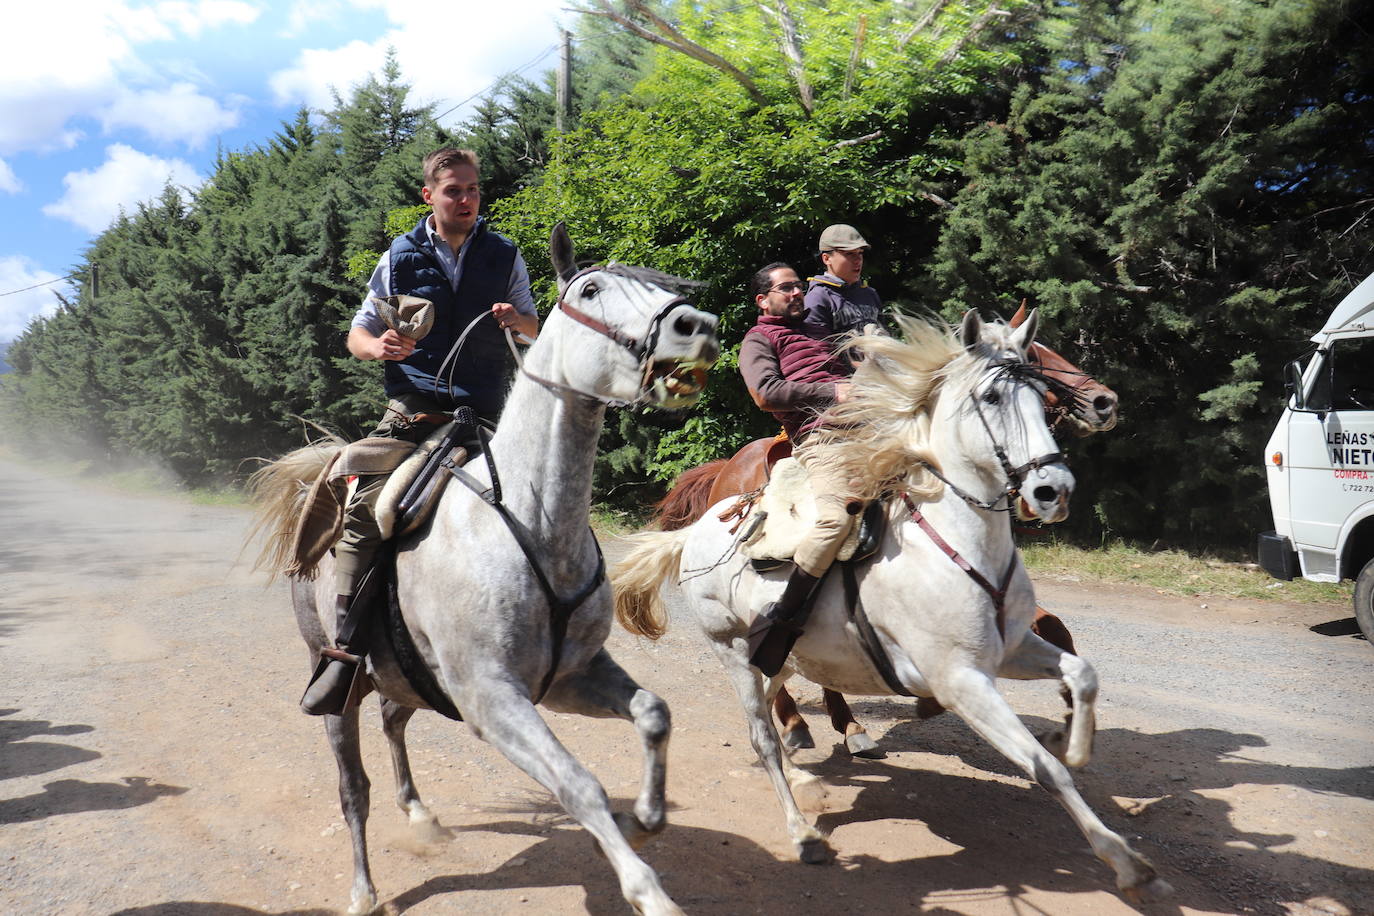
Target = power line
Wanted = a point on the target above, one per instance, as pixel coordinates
(37, 285)
(543, 54)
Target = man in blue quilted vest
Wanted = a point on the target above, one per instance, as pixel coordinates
(453, 259)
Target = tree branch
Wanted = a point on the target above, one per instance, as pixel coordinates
(669, 37)
(859, 34)
(979, 24)
(857, 140)
(921, 23)
(791, 49)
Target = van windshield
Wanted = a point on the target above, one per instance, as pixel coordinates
(1351, 364)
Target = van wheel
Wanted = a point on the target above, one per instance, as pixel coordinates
(1364, 601)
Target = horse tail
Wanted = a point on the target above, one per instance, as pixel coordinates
(689, 498)
(635, 581)
(278, 490)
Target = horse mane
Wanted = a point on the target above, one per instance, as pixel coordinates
(881, 433)
(650, 277)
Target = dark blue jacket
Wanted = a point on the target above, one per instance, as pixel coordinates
(481, 372)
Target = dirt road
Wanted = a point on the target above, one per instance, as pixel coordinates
(152, 760)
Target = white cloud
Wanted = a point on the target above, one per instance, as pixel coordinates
(444, 60)
(179, 112)
(9, 182)
(127, 177)
(16, 311)
(73, 59)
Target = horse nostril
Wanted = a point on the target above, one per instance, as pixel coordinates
(1045, 494)
(685, 326)
(1104, 403)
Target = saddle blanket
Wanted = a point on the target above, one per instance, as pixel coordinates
(321, 519)
(785, 513)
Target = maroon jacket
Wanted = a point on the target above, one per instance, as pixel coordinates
(790, 373)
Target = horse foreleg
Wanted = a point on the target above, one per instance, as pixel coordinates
(856, 737)
(1038, 659)
(604, 690)
(354, 798)
(503, 716)
(395, 716)
(810, 843)
(795, 732)
(974, 697)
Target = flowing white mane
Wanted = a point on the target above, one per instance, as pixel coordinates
(881, 433)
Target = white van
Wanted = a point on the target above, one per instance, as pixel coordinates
(1320, 460)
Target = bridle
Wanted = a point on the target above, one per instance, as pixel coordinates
(1015, 475)
(642, 351)
(1068, 396)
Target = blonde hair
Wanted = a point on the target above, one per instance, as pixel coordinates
(880, 435)
(449, 157)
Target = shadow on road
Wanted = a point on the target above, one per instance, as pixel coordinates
(1187, 834)
(21, 757)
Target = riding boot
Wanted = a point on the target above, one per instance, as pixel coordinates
(336, 676)
(774, 631)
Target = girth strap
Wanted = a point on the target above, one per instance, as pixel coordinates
(997, 594)
(560, 609)
(867, 635)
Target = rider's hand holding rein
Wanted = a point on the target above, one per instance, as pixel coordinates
(507, 316)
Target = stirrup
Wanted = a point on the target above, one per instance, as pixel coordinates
(332, 703)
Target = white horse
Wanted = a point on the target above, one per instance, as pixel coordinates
(955, 426)
(474, 604)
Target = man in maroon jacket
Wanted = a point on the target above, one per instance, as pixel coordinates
(795, 374)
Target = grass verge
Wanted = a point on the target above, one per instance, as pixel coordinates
(1173, 572)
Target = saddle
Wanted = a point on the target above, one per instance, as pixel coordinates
(405, 503)
(786, 510)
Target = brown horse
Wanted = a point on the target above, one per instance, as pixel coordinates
(1073, 398)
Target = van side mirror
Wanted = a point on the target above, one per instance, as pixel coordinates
(1292, 383)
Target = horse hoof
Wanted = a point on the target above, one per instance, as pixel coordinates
(861, 745)
(799, 737)
(364, 905)
(1154, 889)
(814, 852)
(633, 830)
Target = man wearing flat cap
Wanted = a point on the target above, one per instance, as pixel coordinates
(838, 301)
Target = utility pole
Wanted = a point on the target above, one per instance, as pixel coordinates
(563, 88)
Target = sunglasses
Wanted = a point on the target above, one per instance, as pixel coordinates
(792, 287)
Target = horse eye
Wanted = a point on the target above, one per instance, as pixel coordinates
(589, 290)
(991, 396)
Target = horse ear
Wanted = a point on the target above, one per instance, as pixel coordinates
(971, 329)
(561, 254)
(1020, 317)
(1025, 334)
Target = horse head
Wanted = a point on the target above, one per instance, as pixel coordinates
(1073, 395)
(1000, 424)
(642, 341)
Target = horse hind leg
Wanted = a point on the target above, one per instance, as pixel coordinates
(973, 697)
(395, 717)
(354, 799)
(505, 718)
(856, 738)
(795, 732)
(604, 690)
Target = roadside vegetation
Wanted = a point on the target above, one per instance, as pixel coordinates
(1182, 191)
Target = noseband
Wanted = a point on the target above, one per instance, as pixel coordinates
(642, 351)
(1015, 476)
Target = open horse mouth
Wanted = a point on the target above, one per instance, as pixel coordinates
(677, 382)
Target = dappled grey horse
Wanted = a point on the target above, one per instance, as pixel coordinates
(955, 428)
(482, 615)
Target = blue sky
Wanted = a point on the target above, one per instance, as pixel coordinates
(101, 101)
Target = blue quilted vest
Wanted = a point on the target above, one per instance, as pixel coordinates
(481, 371)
